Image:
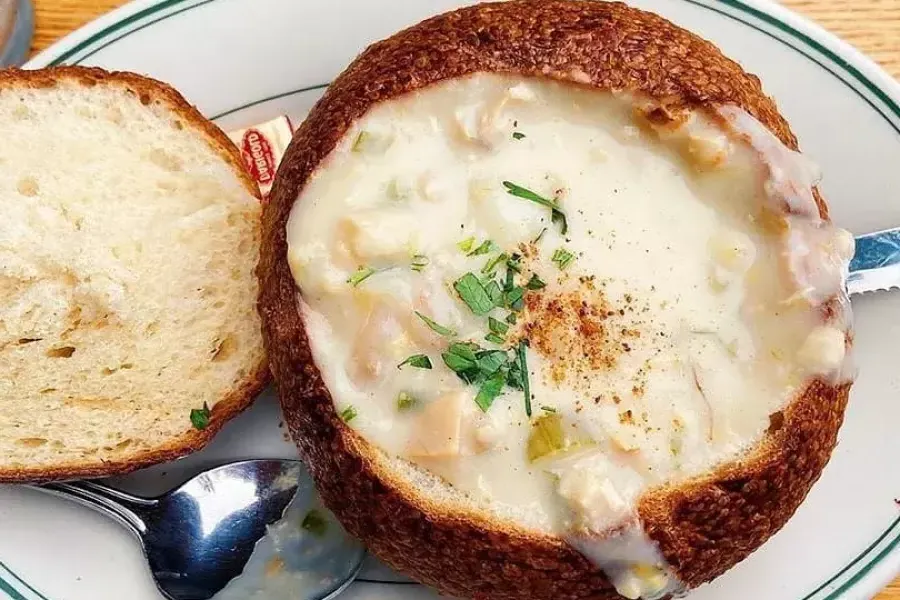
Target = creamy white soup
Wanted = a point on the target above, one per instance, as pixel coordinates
(556, 298)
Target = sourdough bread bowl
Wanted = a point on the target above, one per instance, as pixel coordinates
(129, 239)
(608, 284)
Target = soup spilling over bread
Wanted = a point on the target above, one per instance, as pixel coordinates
(555, 298)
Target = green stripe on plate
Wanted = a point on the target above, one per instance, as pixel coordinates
(866, 568)
(120, 25)
(311, 88)
(805, 41)
(836, 58)
(16, 592)
(9, 591)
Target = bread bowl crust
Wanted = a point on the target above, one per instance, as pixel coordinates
(703, 527)
(235, 400)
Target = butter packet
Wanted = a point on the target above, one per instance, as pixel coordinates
(262, 146)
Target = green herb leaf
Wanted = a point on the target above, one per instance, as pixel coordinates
(466, 244)
(461, 358)
(419, 361)
(517, 135)
(494, 293)
(494, 338)
(535, 283)
(489, 361)
(483, 248)
(541, 234)
(514, 376)
(562, 257)
(511, 318)
(406, 401)
(548, 409)
(436, 327)
(510, 281)
(498, 327)
(200, 417)
(557, 216)
(514, 298)
(466, 350)
(419, 262)
(473, 294)
(491, 265)
(523, 367)
(514, 263)
(525, 193)
(458, 364)
(361, 275)
(489, 391)
(348, 414)
(315, 523)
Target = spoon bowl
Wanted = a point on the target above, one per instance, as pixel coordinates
(200, 536)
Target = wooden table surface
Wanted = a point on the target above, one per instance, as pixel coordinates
(873, 26)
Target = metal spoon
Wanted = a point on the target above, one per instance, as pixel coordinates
(199, 537)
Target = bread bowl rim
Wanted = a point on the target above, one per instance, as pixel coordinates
(306, 401)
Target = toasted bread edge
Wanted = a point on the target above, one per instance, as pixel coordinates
(703, 527)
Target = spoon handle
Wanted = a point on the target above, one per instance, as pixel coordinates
(128, 510)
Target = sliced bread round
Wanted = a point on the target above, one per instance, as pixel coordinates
(129, 236)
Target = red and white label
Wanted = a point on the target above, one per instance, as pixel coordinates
(262, 147)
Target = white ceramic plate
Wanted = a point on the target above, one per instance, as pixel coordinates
(243, 61)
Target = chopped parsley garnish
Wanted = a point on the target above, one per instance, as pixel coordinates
(514, 375)
(406, 401)
(517, 135)
(548, 409)
(494, 338)
(490, 361)
(494, 293)
(348, 414)
(418, 262)
(466, 244)
(523, 369)
(562, 257)
(539, 236)
(510, 281)
(535, 283)
(491, 265)
(513, 264)
(489, 391)
(458, 364)
(489, 369)
(498, 327)
(435, 327)
(315, 523)
(483, 248)
(200, 417)
(419, 361)
(472, 292)
(460, 358)
(473, 364)
(556, 213)
(361, 275)
(514, 298)
(558, 217)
